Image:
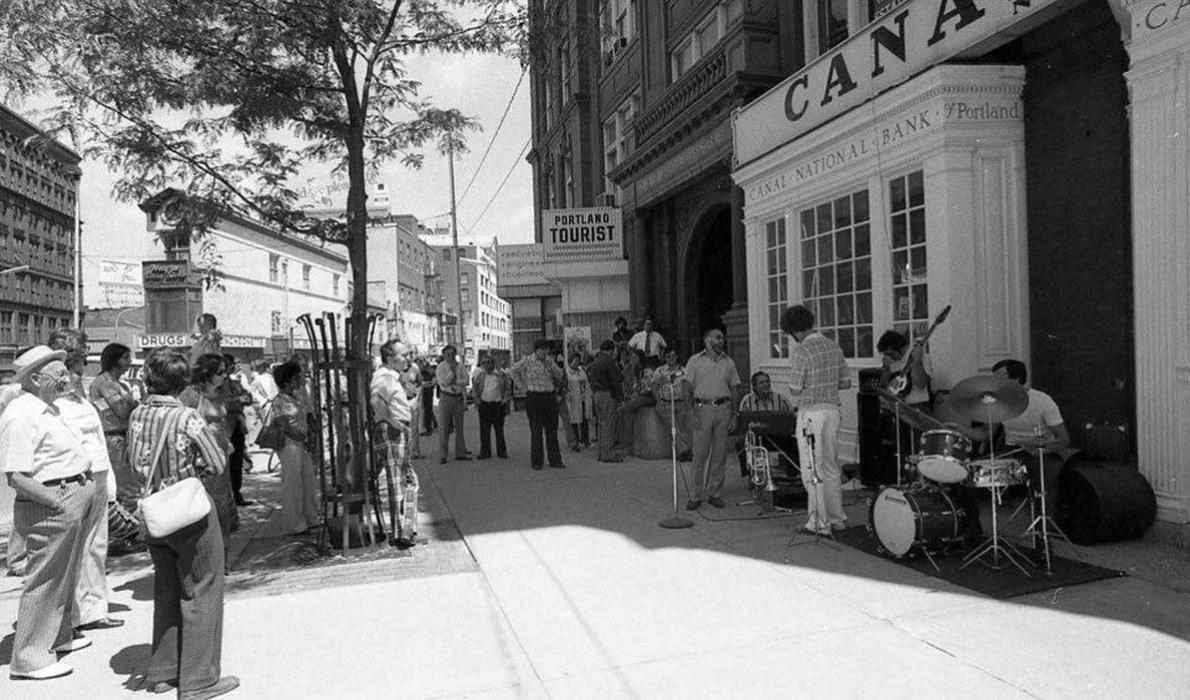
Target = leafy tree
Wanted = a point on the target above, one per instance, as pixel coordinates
(227, 99)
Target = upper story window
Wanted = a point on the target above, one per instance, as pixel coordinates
(305, 276)
(709, 31)
(274, 267)
(617, 22)
(829, 23)
(617, 135)
(568, 181)
(335, 285)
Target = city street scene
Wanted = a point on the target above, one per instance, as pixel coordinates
(594, 348)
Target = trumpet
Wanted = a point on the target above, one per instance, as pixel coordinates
(757, 456)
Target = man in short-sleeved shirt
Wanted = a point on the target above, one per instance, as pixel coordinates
(818, 372)
(713, 380)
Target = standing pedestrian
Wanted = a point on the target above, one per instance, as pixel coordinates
(578, 401)
(91, 594)
(819, 371)
(713, 381)
(429, 383)
(113, 399)
(50, 472)
(672, 390)
(236, 399)
(170, 442)
(607, 391)
(492, 392)
(207, 338)
(541, 377)
(205, 395)
(299, 483)
(649, 343)
(393, 414)
(452, 402)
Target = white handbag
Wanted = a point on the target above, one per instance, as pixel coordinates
(172, 508)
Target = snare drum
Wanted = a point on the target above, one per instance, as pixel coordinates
(944, 456)
(917, 517)
(986, 474)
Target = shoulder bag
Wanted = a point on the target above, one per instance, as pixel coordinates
(272, 434)
(174, 507)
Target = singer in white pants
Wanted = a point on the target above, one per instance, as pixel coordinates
(817, 446)
(818, 371)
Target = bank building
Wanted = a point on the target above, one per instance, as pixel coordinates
(1024, 162)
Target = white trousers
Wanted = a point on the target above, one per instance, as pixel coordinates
(91, 593)
(817, 446)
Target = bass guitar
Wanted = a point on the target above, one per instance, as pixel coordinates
(900, 383)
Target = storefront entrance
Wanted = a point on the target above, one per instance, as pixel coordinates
(708, 265)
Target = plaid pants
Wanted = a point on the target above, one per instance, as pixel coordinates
(390, 446)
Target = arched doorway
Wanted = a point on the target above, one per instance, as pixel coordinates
(708, 263)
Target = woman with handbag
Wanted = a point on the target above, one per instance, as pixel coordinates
(170, 447)
(299, 482)
(205, 395)
(113, 399)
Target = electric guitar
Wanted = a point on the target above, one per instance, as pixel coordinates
(901, 382)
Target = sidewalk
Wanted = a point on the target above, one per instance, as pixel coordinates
(563, 585)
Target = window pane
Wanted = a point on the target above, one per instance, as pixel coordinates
(846, 341)
(807, 223)
(843, 279)
(917, 226)
(900, 267)
(843, 245)
(832, 23)
(781, 232)
(809, 259)
(863, 243)
(770, 235)
(825, 252)
(896, 194)
(842, 212)
(899, 237)
(826, 281)
(863, 274)
(917, 262)
(917, 192)
(901, 304)
(846, 308)
(859, 203)
(921, 302)
(772, 256)
(864, 347)
(826, 317)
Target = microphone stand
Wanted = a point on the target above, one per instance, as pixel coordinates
(675, 521)
(815, 490)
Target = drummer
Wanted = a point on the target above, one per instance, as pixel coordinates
(1039, 428)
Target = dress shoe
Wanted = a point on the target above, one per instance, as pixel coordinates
(465, 455)
(224, 685)
(812, 533)
(717, 502)
(103, 623)
(693, 504)
(537, 467)
(54, 670)
(442, 461)
(79, 642)
(241, 501)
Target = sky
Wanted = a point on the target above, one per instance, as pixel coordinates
(479, 86)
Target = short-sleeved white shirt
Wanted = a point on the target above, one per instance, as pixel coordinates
(1042, 410)
(35, 441)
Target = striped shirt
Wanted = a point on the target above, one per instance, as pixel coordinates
(538, 375)
(774, 402)
(818, 369)
(188, 450)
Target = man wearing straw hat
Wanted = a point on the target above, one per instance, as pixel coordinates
(50, 472)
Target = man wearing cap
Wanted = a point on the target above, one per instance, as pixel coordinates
(713, 381)
(50, 471)
(607, 390)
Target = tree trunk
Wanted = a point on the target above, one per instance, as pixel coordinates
(359, 370)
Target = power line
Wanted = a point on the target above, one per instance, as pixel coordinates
(515, 162)
(492, 141)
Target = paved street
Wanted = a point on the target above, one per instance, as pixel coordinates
(562, 585)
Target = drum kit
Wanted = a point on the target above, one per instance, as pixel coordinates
(918, 513)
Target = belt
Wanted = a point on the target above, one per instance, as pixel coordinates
(79, 479)
(116, 433)
(712, 402)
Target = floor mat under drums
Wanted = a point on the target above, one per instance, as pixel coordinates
(1004, 583)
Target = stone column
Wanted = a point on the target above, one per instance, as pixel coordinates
(640, 289)
(1158, 83)
(736, 319)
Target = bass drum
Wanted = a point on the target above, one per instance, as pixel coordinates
(918, 517)
(1104, 501)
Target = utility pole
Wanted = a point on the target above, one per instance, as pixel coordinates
(454, 238)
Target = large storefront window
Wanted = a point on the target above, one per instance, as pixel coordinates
(836, 264)
(777, 272)
(907, 222)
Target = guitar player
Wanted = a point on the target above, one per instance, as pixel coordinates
(900, 360)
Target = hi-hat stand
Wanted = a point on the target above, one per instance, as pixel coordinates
(995, 547)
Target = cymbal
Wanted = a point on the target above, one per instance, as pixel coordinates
(986, 397)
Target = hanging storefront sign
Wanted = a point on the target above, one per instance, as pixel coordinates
(520, 265)
(167, 274)
(888, 52)
(579, 235)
